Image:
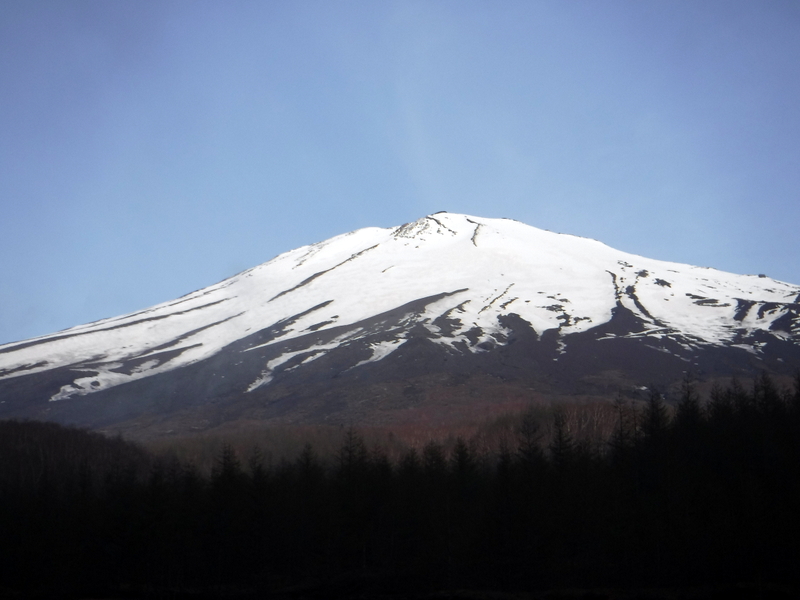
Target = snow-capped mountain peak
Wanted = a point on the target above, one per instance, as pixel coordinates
(460, 282)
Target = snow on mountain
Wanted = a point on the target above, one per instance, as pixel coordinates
(466, 273)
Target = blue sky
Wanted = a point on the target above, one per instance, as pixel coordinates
(151, 148)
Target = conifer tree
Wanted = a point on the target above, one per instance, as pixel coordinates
(766, 395)
(624, 435)
(410, 464)
(794, 401)
(308, 465)
(720, 405)
(228, 470)
(529, 436)
(562, 447)
(655, 420)
(689, 413)
(353, 454)
(433, 460)
(462, 461)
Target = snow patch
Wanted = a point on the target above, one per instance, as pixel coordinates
(381, 350)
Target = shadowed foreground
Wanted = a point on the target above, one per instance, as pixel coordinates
(703, 500)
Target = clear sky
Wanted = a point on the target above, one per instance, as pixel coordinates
(151, 148)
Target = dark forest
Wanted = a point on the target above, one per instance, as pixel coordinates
(697, 497)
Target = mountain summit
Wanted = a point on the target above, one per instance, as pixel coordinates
(380, 325)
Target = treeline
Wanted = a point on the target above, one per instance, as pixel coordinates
(705, 493)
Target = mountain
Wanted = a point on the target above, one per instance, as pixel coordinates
(450, 315)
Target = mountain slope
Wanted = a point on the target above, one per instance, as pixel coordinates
(318, 330)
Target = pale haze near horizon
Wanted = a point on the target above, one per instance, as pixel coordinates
(148, 149)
